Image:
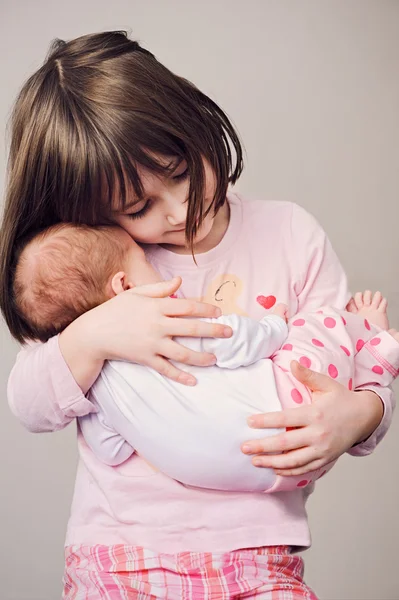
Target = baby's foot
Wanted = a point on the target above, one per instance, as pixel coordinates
(372, 308)
(394, 334)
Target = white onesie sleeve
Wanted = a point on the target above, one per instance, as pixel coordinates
(251, 340)
(107, 444)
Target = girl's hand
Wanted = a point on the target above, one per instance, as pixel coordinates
(138, 326)
(336, 420)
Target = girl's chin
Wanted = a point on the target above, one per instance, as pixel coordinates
(178, 238)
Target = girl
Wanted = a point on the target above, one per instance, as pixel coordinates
(104, 133)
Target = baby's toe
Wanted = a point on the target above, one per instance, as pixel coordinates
(376, 300)
(359, 300)
(367, 298)
(383, 305)
(351, 307)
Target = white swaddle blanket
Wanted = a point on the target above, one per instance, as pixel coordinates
(192, 434)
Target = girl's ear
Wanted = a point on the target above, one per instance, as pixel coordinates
(119, 283)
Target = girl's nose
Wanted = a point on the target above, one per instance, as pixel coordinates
(177, 214)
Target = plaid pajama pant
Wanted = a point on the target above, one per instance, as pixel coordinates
(133, 573)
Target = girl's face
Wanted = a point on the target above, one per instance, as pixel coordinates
(160, 218)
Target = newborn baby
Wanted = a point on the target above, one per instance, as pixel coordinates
(193, 434)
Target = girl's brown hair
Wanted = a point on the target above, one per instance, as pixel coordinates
(98, 107)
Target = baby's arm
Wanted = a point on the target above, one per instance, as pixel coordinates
(251, 340)
(108, 445)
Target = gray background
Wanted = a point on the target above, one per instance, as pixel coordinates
(313, 87)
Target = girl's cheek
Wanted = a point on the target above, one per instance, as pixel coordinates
(142, 231)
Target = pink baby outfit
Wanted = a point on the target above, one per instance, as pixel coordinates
(271, 252)
(342, 345)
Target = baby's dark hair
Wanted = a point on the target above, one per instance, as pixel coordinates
(62, 272)
(100, 107)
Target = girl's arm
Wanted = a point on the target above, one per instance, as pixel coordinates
(321, 280)
(47, 386)
(42, 392)
(338, 420)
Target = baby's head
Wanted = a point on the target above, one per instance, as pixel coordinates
(68, 269)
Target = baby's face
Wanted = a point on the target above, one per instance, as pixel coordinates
(136, 266)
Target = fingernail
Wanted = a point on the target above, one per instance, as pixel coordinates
(190, 381)
(218, 312)
(227, 332)
(213, 361)
(246, 448)
(257, 462)
(251, 421)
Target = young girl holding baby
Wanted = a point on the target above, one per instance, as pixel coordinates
(104, 133)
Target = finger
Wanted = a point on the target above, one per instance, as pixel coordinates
(359, 300)
(317, 382)
(165, 368)
(181, 307)
(196, 328)
(291, 460)
(283, 442)
(367, 298)
(351, 307)
(175, 351)
(161, 289)
(291, 417)
(306, 469)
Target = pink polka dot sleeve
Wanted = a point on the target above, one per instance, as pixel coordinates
(379, 357)
(320, 280)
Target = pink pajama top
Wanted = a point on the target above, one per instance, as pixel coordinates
(272, 252)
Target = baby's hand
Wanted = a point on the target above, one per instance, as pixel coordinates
(281, 310)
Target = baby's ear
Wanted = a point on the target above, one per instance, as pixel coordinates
(119, 283)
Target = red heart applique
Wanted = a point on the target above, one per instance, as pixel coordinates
(266, 301)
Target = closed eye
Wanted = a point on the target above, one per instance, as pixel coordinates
(143, 211)
(140, 213)
(181, 176)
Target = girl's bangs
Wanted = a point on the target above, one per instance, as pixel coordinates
(118, 176)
